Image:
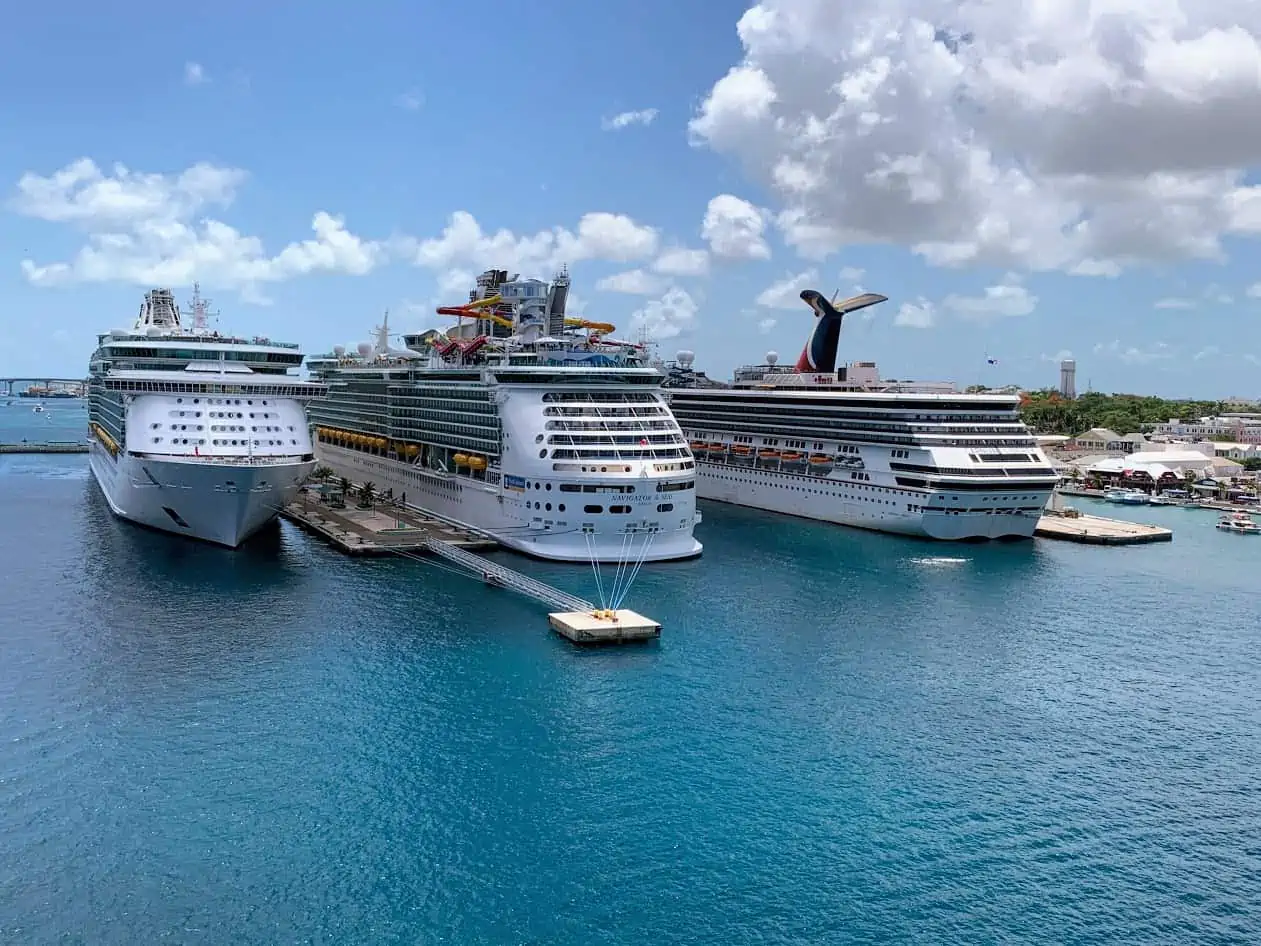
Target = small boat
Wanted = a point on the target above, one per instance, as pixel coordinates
(742, 450)
(1238, 522)
(820, 459)
(767, 454)
(792, 457)
(1114, 495)
(1135, 497)
(37, 409)
(1159, 500)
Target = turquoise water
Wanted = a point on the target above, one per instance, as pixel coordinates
(841, 737)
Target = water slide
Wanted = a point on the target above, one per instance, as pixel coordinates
(471, 310)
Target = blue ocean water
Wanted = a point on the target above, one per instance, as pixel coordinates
(841, 737)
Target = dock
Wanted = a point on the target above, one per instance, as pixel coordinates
(54, 447)
(411, 533)
(380, 529)
(1096, 530)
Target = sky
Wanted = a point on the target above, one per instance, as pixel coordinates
(1025, 182)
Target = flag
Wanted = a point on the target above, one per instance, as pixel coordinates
(643, 441)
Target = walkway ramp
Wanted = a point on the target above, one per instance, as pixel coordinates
(502, 575)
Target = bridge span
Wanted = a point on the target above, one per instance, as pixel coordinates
(42, 386)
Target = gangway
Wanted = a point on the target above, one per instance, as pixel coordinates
(501, 575)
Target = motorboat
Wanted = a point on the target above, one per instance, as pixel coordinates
(1238, 522)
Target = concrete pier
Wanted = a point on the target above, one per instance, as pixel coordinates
(56, 447)
(604, 627)
(1095, 530)
(381, 530)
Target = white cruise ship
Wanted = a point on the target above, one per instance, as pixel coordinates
(194, 432)
(542, 430)
(837, 443)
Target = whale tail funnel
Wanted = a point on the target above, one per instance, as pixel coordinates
(819, 355)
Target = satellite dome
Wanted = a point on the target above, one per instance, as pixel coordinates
(685, 358)
(339, 350)
(772, 357)
(365, 349)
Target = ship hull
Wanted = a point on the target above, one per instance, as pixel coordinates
(484, 507)
(965, 517)
(216, 502)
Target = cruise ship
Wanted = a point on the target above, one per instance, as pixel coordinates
(839, 444)
(542, 430)
(194, 432)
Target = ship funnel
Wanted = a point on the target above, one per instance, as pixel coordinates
(820, 351)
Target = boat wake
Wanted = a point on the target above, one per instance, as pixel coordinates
(939, 561)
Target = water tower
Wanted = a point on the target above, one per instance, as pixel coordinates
(1068, 379)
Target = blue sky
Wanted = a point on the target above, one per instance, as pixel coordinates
(1009, 208)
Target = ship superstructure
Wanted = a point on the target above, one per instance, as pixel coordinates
(540, 429)
(835, 442)
(195, 432)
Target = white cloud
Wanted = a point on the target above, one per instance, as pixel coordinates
(142, 229)
(411, 101)
(918, 314)
(633, 282)
(852, 273)
(733, 228)
(1172, 303)
(1208, 351)
(1062, 355)
(765, 325)
(1254, 291)
(680, 261)
(786, 294)
(1134, 355)
(1008, 298)
(643, 116)
(1085, 137)
(671, 315)
(604, 236)
(195, 74)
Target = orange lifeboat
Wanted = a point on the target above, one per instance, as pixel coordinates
(820, 459)
(792, 457)
(717, 447)
(741, 450)
(768, 454)
(698, 445)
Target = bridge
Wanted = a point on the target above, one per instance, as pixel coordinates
(13, 386)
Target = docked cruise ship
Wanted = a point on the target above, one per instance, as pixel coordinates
(194, 432)
(836, 443)
(543, 430)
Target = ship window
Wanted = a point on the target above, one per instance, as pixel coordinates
(561, 507)
(548, 487)
(542, 454)
(593, 509)
(665, 507)
(548, 507)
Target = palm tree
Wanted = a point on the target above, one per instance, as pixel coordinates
(367, 494)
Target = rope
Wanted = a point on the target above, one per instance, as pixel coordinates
(643, 556)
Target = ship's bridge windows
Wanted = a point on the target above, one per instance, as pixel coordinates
(593, 510)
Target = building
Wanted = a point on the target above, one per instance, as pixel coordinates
(1237, 428)
(1068, 379)
(1101, 440)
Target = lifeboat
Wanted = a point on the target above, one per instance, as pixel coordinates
(460, 459)
(413, 450)
(698, 445)
(477, 463)
(820, 459)
(380, 443)
(767, 454)
(717, 447)
(792, 457)
(742, 450)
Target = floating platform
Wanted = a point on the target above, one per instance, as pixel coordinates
(381, 530)
(65, 447)
(1095, 530)
(604, 627)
